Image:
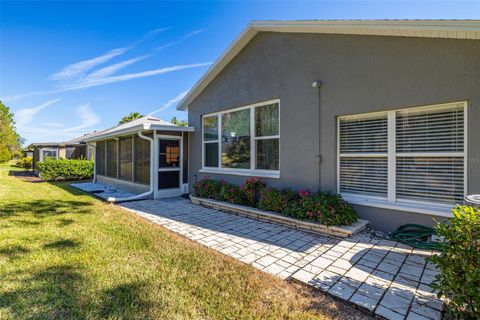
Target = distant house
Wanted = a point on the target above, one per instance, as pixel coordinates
(71, 149)
(386, 113)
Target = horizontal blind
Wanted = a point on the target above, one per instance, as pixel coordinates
(364, 175)
(367, 135)
(430, 130)
(437, 179)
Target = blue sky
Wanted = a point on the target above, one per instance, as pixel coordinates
(67, 68)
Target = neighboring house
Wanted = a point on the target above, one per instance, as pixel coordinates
(71, 149)
(146, 156)
(386, 113)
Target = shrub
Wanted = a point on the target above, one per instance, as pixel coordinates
(72, 169)
(252, 189)
(232, 193)
(208, 188)
(25, 163)
(459, 263)
(275, 200)
(324, 207)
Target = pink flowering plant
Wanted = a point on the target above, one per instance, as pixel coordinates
(323, 207)
(252, 189)
(208, 188)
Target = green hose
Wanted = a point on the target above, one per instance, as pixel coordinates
(414, 235)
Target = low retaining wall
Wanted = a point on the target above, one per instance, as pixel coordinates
(337, 231)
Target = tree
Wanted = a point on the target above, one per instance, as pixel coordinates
(182, 123)
(10, 140)
(132, 116)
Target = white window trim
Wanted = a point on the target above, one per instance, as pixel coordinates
(48, 149)
(390, 202)
(241, 172)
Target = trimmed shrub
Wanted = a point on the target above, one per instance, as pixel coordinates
(459, 263)
(275, 200)
(252, 189)
(25, 163)
(326, 208)
(208, 188)
(72, 169)
(232, 193)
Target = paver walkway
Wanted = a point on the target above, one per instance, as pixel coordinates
(388, 278)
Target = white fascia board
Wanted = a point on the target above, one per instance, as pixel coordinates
(450, 29)
(116, 133)
(170, 128)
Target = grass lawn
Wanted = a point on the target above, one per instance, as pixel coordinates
(66, 255)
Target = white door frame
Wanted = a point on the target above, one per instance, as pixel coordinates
(173, 191)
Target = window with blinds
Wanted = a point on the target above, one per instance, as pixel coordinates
(422, 148)
(363, 155)
(430, 154)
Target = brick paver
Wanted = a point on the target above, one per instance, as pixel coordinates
(385, 277)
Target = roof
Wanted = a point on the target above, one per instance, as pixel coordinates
(72, 142)
(447, 29)
(140, 124)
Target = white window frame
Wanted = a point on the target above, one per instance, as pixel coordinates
(48, 149)
(253, 145)
(391, 202)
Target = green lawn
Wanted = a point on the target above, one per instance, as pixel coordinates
(66, 255)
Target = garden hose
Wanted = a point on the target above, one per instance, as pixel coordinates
(415, 235)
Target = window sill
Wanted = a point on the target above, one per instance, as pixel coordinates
(248, 173)
(433, 209)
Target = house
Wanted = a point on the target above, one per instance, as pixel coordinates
(71, 149)
(147, 156)
(386, 113)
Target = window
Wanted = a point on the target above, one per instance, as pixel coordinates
(245, 140)
(236, 139)
(408, 155)
(210, 139)
(169, 154)
(100, 157)
(126, 158)
(49, 154)
(142, 160)
(267, 137)
(112, 158)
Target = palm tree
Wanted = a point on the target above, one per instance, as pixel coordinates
(130, 117)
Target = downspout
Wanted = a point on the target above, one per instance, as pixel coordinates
(149, 192)
(317, 84)
(94, 161)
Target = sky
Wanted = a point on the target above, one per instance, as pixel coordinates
(68, 68)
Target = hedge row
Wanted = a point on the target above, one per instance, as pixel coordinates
(324, 207)
(71, 169)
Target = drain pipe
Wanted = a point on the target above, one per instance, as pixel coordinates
(149, 192)
(317, 84)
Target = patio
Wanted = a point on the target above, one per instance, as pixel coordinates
(385, 277)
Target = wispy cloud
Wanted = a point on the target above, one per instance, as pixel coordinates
(107, 71)
(80, 75)
(24, 116)
(79, 68)
(170, 103)
(93, 82)
(53, 124)
(88, 118)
